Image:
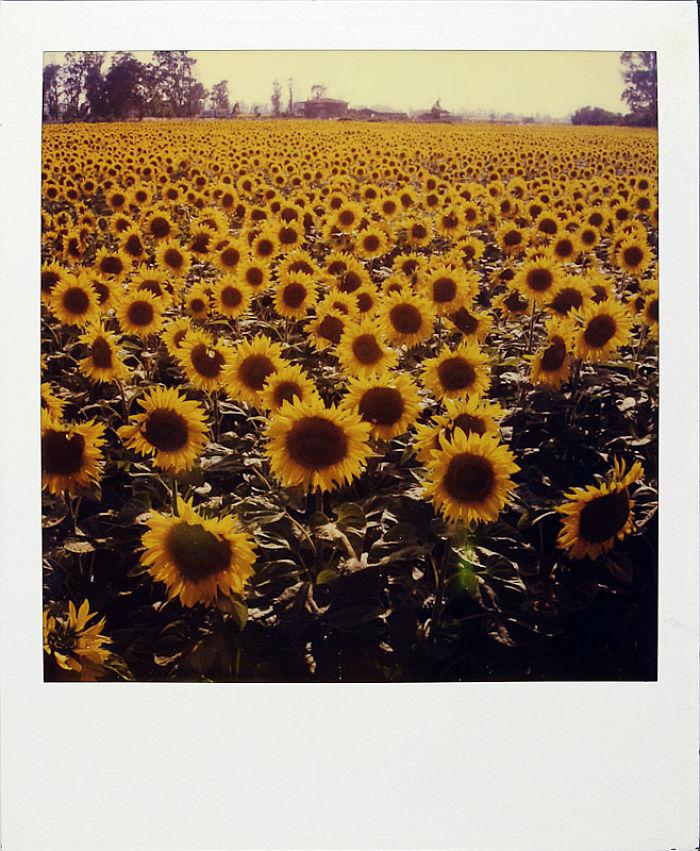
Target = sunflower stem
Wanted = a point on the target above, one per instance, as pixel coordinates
(125, 409)
(638, 349)
(532, 328)
(173, 495)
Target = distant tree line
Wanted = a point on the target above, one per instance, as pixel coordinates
(83, 89)
(640, 95)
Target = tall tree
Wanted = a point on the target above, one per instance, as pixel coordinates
(640, 94)
(127, 86)
(219, 97)
(51, 90)
(174, 71)
(74, 74)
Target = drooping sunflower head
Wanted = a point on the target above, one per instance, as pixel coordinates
(174, 333)
(52, 274)
(252, 363)
(550, 365)
(171, 428)
(473, 324)
(71, 454)
(289, 384)
(103, 361)
(50, 402)
(326, 328)
(456, 373)
(603, 329)
(596, 516)
(74, 646)
(389, 402)
(317, 447)
(198, 559)
(469, 477)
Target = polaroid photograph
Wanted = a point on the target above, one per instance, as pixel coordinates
(349, 421)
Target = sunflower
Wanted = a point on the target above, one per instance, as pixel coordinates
(363, 351)
(336, 263)
(565, 247)
(73, 645)
(71, 454)
(371, 243)
(197, 558)
(202, 240)
(288, 236)
(155, 283)
(203, 361)
(450, 223)
(317, 447)
(73, 301)
(550, 365)
(197, 301)
(411, 266)
(650, 312)
(538, 279)
(103, 362)
(471, 250)
(389, 402)
(511, 304)
(52, 274)
(252, 363)
(419, 232)
(264, 248)
(294, 295)
(231, 298)
(407, 319)
(347, 217)
(572, 293)
(172, 258)
(50, 402)
(463, 371)
(139, 313)
(511, 238)
(469, 477)
(174, 333)
(112, 266)
(596, 516)
(159, 225)
(298, 261)
(289, 383)
(605, 328)
(478, 416)
(172, 429)
(326, 328)
(448, 289)
(254, 274)
(342, 302)
(634, 256)
(473, 324)
(131, 244)
(354, 278)
(228, 257)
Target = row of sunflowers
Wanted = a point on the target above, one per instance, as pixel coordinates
(348, 402)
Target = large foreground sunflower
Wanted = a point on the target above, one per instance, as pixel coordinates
(172, 429)
(73, 645)
(469, 477)
(71, 454)
(317, 447)
(597, 516)
(195, 557)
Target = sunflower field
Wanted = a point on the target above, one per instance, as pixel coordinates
(349, 401)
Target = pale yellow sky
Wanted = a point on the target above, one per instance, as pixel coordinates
(550, 82)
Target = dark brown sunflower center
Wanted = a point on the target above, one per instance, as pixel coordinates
(468, 424)
(548, 226)
(134, 246)
(365, 302)
(371, 242)
(111, 266)
(554, 355)
(118, 200)
(409, 267)
(286, 391)
(49, 280)
(512, 238)
(653, 310)
(366, 349)
(381, 406)
(265, 248)
(61, 453)
(450, 221)
(633, 255)
(178, 337)
(231, 296)
(197, 553)
(75, 300)
(465, 321)
(418, 231)
(140, 313)
(254, 276)
(595, 219)
(294, 294)
(288, 236)
(337, 267)
(102, 291)
(568, 298)
(346, 218)
(604, 517)
(197, 305)
(201, 242)
(406, 318)
(456, 373)
(469, 478)
(599, 331)
(316, 443)
(174, 258)
(301, 266)
(160, 227)
(514, 301)
(254, 371)
(208, 362)
(331, 328)
(564, 248)
(588, 237)
(444, 290)
(351, 282)
(539, 279)
(101, 353)
(166, 430)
